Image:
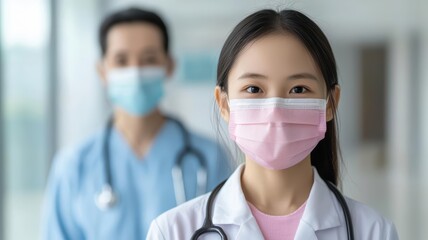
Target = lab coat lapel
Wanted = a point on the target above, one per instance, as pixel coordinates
(305, 232)
(249, 230)
(320, 212)
(231, 207)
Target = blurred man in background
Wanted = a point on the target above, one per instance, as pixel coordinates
(143, 162)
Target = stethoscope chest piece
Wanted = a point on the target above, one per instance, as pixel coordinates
(106, 199)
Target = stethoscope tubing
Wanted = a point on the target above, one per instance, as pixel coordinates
(108, 197)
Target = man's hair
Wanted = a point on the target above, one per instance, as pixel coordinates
(131, 15)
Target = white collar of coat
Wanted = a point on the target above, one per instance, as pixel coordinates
(231, 207)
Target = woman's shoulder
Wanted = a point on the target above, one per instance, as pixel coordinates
(367, 220)
(186, 210)
(183, 219)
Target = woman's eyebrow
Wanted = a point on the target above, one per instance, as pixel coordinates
(302, 76)
(252, 75)
(292, 77)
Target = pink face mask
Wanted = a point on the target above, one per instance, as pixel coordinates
(277, 133)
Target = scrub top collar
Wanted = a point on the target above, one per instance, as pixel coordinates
(166, 134)
(231, 207)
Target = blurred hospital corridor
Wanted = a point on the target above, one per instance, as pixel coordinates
(51, 96)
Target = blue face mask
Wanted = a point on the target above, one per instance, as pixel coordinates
(138, 91)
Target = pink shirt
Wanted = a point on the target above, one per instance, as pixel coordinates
(278, 227)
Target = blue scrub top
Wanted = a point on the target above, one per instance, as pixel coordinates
(144, 186)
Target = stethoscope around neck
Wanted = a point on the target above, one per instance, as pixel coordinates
(107, 197)
(209, 227)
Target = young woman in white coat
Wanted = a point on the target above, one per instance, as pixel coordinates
(277, 87)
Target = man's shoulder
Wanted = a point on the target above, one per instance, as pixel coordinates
(69, 159)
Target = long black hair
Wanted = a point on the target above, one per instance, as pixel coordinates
(261, 23)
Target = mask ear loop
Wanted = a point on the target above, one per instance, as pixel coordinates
(238, 152)
(329, 97)
(228, 100)
(327, 101)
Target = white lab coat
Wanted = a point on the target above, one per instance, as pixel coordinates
(322, 219)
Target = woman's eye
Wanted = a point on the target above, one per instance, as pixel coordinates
(253, 89)
(298, 90)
